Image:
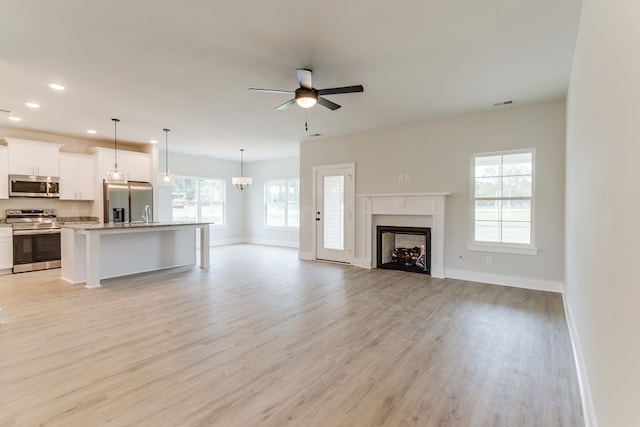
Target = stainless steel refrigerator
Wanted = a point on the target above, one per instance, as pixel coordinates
(127, 202)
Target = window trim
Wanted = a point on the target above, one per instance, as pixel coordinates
(286, 206)
(501, 247)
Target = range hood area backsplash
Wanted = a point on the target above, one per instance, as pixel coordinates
(64, 208)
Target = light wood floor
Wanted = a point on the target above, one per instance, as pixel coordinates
(262, 339)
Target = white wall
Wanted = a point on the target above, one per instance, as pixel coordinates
(602, 205)
(437, 156)
(255, 230)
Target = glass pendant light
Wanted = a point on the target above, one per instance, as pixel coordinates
(166, 178)
(116, 175)
(241, 182)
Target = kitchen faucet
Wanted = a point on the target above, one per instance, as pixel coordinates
(147, 214)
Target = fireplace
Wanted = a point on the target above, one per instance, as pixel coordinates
(402, 209)
(404, 248)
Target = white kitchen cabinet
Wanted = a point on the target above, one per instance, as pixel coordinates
(33, 157)
(6, 248)
(76, 177)
(4, 172)
(136, 165)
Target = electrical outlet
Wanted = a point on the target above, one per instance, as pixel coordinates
(400, 177)
(407, 177)
(489, 260)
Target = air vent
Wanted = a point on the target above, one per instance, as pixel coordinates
(503, 103)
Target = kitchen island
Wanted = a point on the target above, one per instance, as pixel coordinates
(93, 251)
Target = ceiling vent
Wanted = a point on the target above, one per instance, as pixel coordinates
(503, 103)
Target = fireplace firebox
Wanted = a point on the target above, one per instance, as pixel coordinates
(404, 248)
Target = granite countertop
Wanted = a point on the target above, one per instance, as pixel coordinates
(62, 220)
(128, 225)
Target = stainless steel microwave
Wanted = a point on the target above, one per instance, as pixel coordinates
(34, 186)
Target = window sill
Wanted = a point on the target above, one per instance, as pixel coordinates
(483, 247)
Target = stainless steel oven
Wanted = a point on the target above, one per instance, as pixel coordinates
(36, 239)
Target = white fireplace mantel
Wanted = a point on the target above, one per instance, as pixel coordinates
(401, 204)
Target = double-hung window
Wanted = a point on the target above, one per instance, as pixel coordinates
(503, 201)
(198, 199)
(282, 203)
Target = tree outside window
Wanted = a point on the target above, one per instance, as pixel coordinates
(503, 197)
(282, 203)
(198, 199)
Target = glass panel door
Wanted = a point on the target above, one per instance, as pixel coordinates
(334, 212)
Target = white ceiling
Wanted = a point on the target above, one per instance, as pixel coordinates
(187, 65)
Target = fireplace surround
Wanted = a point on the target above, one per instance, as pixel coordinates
(411, 209)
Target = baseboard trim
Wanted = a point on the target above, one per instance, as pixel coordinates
(307, 256)
(504, 280)
(361, 262)
(583, 379)
(281, 243)
(215, 242)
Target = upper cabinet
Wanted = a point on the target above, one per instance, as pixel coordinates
(4, 172)
(136, 165)
(33, 157)
(76, 177)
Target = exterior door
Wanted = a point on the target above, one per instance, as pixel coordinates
(335, 188)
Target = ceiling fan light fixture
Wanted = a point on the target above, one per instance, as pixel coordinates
(306, 98)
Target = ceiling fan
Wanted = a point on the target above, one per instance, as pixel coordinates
(306, 95)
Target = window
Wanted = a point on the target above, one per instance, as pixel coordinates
(198, 199)
(282, 203)
(503, 200)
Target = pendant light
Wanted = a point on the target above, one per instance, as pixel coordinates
(166, 178)
(241, 182)
(116, 175)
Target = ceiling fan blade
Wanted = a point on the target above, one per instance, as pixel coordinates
(270, 90)
(304, 77)
(345, 89)
(286, 105)
(326, 103)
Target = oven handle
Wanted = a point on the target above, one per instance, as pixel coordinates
(31, 232)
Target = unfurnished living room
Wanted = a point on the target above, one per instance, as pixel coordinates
(361, 213)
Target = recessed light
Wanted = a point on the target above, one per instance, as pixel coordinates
(14, 118)
(56, 86)
(91, 131)
(32, 104)
(153, 141)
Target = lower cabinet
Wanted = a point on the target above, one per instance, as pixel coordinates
(6, 248)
